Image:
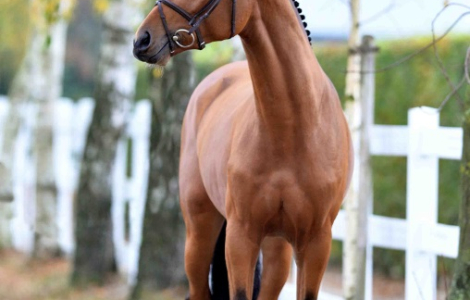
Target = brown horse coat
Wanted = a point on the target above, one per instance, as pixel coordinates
(265, 146)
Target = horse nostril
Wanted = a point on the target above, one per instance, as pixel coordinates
(143, 42)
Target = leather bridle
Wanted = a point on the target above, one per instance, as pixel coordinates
(194, 21)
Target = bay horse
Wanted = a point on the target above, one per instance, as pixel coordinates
(265, 146)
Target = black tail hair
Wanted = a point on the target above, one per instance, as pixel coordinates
(219, 277)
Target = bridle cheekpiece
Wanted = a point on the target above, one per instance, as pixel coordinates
(175, 39)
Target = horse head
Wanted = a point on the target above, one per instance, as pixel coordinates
(174, 26)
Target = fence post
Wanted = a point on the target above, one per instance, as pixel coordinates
(357, 271)
(421, 206)
(64, 112)
(6, 208)
(140, 133)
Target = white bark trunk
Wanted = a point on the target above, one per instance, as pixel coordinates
(25, 88)
(94, 254)
(38, 82)
(52, 69)
(22, 91)
(351, 203)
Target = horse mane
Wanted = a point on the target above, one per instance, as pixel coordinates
(301, 18)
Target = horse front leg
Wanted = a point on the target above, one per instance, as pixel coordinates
(277, 261)
(242, 250)
(312, 260)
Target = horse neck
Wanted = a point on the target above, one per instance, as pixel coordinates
(288, 82)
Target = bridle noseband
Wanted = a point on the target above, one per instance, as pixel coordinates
(194, 21)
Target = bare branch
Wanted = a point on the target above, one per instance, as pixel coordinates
(451, 94)
(433, 43)
(416, 53)
(439, 60)
(465, 78)
(386, 10)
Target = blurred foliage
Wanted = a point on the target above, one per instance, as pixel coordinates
(83, 48)
(16, 21)
(100, 6)
(214, 56)
(415, 83)
(44, 13)
(14, 33)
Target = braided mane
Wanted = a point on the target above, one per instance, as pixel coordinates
(301, 18)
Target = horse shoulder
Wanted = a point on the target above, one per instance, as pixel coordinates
(208, 124)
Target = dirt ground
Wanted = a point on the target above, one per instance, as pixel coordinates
(21, 279)
(384, 288)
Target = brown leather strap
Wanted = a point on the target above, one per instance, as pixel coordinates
(186, 16)
(205, 12)
(194, 21)
(165, 26)
(177, 9)
(234, 16)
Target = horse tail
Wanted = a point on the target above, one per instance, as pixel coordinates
(219, 276)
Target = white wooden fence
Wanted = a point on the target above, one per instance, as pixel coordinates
(423, 142)
(71, 122)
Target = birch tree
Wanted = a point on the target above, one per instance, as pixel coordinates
(56, 14)
(39, 81)
(94, 255)
(353, 262)
(160, 263)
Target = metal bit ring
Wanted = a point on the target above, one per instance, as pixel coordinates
(176, 38)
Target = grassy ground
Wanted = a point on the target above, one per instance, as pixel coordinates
(22, 279)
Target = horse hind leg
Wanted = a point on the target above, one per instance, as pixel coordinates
(277, 261)
(312, 260)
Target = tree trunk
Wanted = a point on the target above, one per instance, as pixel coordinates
(26, 87)
(460, 289)
(353, 268)
(46, 241)
(162, 250)
(39, 82)
(22, 91)
(18, 94)
(94, 254)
